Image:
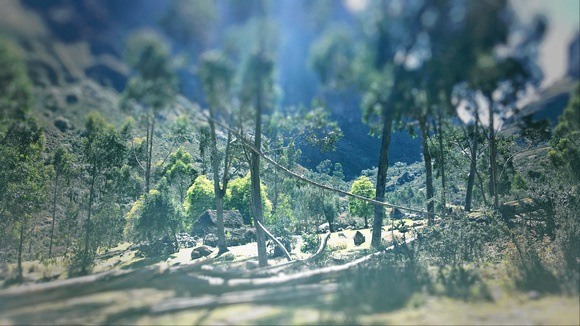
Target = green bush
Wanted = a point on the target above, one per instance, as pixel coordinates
(311, 243)
(239, 196)
(199, 198)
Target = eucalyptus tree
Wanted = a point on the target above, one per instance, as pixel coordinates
(22, 170)
(216, 73)
(62, 165)
(152, 89)
(103, 154)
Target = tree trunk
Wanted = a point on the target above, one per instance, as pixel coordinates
(472, 168)
(85, 258)
(20, 249)
(255, 175)
(379, 211)
(442, 163)
(428, 168)
(55, 194)
(149, 156)
(492, 156)
(219, 193)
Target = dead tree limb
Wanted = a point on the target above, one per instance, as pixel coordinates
(281, 295)
(278, 243)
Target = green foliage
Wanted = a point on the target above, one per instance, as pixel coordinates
(356, 207)
(311, 243)
(154, 84)
(190, 22)
(199, 198)
(238, 197)
(103, 155)
(179, 172)
(565, 152)
(158, 215)
(23, 175)
(331, 57)
(15, 87)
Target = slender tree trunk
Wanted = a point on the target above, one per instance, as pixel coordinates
(428, 167)
(383, 165)
(55, 195)
(88, 225)
(255, 176)
(492, 156)
(442, 163)
(218, 191)
(472, 167)
(20, 249)
(149, 156)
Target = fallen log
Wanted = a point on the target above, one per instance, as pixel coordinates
(268, 295)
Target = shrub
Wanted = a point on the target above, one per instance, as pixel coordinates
(384, 284)
(311, 243)
(199, 198)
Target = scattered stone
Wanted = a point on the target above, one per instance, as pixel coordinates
(275, 251)
(210, 240)
(72, 99)
(342, 235)
(358, 238)
(534, 295)
(201, 251)
(252, 264)
(323, 228)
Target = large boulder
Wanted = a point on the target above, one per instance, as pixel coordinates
(358, 238)
(396, 214)
(201, 251)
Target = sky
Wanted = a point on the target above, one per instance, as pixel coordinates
(563, 17)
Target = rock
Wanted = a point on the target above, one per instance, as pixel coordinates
(275, 251)
(342, 235)
(201, 251)
(358, 238)
(250, 235)
(323, 228)
(405, 177)
(62, 124)
(252, 264)
(210, 240)
(396, 214)
(72, 99)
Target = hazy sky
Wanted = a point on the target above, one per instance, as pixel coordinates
(563, 17)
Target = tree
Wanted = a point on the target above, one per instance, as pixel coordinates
(216, 73)
(356, 207)
(158, 215)
(152, 89)
(103, 153)
(179, 172)
(565, 152)
(22, 170)
(62, 169)
(239, 197)
(199, 197)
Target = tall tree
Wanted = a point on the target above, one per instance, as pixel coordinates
(152, 89)
(22, 170)
(103, 154)
(62, 169)
(216, 73)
